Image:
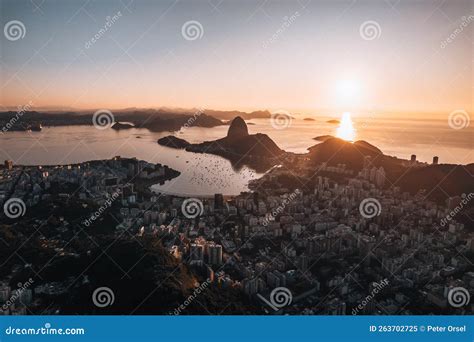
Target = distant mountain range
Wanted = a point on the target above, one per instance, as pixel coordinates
(230, 115)
(156, 120)
(220, 114)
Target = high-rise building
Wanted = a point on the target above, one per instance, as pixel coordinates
(9, 164)
(413, 158)
(380, 177)
(196, 252)
(218, 201)
(131, 170)
(252, 285)
(435, 160)
(215, 254)
(25, 296)
(373, 172)
(303, 262)
(4, 292)
(272, 280)
(276, 279)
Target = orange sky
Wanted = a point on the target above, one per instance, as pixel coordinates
(310, 59)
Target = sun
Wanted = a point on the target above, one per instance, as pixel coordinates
(348, 90)
(346, 130)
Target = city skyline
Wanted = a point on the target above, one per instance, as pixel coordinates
(223, 157)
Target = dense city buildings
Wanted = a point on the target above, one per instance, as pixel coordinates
(316, 240)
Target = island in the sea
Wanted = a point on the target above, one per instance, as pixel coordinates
(323, 137)
(120, 125)
(258, 151)
(173, 142)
